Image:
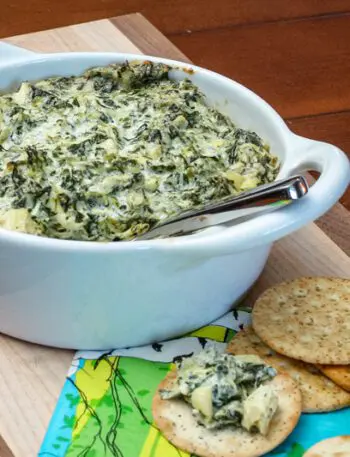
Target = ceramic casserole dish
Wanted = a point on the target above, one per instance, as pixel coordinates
(90, 295)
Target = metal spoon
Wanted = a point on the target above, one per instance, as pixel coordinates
(231, 210)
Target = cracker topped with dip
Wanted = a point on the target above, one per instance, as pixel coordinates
(246, 401)
(214, 404)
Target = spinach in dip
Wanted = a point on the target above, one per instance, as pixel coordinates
(106, 155)
(226, 390)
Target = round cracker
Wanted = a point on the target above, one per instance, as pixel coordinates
(175, 420)
(307, 319)
(319, 394)
(340, 374)
(339, 446)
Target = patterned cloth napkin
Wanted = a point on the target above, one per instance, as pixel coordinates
(104, 409)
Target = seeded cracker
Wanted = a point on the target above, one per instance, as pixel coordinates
(319, 394)
(307, 319)
(340, 374)
(175, 420)
(338, 446)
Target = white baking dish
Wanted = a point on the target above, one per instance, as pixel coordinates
(93, 295)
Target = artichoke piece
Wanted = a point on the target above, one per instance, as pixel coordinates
(202, 401)
(258, 409)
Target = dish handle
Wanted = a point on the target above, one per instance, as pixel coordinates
(10, 53)
(334, 168)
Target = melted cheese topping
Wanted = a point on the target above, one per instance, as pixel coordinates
(106, 155)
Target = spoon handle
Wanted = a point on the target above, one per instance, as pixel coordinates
(267, 197)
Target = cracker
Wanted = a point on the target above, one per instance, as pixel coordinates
(175, 420)
(340, 374)
(339, 446)
(319, 394)
(306, 319)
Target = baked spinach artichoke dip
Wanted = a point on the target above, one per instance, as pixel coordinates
(226, 390)
(107, 155)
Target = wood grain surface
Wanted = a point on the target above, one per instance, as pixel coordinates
(332, 127)
(251, 56)
(170, 16)
(31, 376)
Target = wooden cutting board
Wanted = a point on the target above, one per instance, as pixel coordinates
(31, 376)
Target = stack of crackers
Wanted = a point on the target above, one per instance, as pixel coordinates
(302, 329)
